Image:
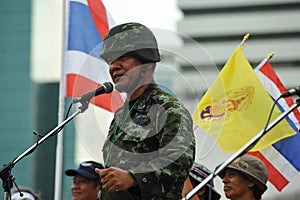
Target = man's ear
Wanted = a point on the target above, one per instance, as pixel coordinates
(251, 184)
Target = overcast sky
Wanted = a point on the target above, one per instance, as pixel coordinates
(158, 13)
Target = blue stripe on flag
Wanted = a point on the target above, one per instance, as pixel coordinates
(83, 34)
(290, 149)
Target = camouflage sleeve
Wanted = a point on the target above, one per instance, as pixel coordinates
(163, 176)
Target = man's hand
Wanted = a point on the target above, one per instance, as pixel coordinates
(115, 179)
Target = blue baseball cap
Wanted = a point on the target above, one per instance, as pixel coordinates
(86, 169)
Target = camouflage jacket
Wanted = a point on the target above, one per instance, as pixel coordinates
(152, 137)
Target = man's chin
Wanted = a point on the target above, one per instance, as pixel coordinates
(122, 88)
(119, 88)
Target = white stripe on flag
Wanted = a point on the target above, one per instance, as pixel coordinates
(275, 93)
(279, 162)
(88, 66)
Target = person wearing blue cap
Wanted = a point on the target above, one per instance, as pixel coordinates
(86, 182)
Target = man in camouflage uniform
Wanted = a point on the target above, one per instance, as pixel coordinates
(150, 145)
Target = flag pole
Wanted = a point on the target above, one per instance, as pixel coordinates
(246, 37)
(241, 151)
(265, 60)
(61, 108)
(271, 55)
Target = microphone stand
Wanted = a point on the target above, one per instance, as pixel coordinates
(5, 171)
(241, 151)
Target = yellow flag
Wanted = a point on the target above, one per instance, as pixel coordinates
(236, 108)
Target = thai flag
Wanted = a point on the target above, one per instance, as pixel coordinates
(84, 70)
(282, 158)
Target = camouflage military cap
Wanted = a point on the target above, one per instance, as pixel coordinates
(130, 38)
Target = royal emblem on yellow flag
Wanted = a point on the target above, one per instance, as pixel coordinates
(236, 108)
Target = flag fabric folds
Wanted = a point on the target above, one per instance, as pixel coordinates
(84, 70)
(282, 158)
(236, 108)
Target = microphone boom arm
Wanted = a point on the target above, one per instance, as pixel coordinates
(5, 171)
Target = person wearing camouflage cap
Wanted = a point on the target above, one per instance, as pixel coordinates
(130, 38)
(245, 178)
(150, 145)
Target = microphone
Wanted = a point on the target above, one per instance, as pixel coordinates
(291, 92)
(106, 87)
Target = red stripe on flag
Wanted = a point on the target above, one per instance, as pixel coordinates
(78, 85)
(269, 72)
(99, 15)
(274, 176)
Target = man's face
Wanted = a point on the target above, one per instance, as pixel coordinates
(84, 188)
(236, 185)
(188, 187)
(124, 71)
